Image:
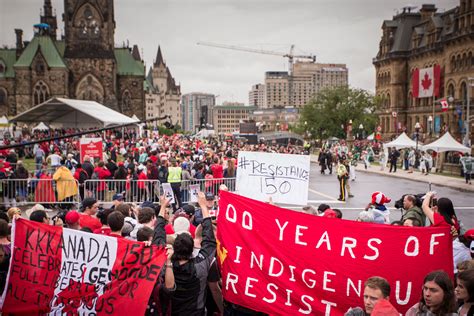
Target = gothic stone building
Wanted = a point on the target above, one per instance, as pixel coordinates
(84, 64)
(419, 40)
(162, 94)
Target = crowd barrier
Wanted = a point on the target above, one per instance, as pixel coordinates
(133, 191)
(15, 192)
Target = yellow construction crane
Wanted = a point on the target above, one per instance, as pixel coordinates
(289, 55)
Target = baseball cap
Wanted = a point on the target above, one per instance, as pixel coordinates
(209, 196)
(72, 217)
(189, 209)
(330, 214)
(117, 197)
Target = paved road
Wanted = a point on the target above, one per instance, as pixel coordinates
(324, 189)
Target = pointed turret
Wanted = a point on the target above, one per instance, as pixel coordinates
(136, 53)
(159, 58)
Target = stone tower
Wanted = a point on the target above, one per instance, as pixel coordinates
(49, 18)
(89, 27)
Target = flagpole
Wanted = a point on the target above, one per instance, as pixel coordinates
(434, 101)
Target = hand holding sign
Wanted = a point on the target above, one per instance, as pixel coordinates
(168, 192)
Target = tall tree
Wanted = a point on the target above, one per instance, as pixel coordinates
(330, 111)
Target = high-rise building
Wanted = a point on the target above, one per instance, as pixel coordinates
(423, 39)
(307, 79)
(257, 96)
(197, 110)
(228, 117)
(162, 94)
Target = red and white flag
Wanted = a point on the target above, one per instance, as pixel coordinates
(444, 105)
(426, 82)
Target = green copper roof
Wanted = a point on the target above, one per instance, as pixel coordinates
(47, 48)
(8, 56)
(126, 64)
(61, 46)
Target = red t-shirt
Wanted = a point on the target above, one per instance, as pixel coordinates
(103, 231)
(90, 222)
(439, 221)
(217, 171)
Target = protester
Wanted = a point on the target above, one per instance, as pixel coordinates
(464, 292)
(437, 297)
(89, 210)
(375, 289)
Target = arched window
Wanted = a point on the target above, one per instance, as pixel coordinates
(126, 102)
(410, 100)
(3, 96)
(40, 93)
(450, 90)
(89, 88)
(89, 21)
(452, 64)
(387, 105)
(463, 93)
(470, 58)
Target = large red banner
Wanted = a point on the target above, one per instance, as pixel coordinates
(284, 262)
(64, 271)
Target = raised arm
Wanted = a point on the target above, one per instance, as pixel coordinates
(159, 237)
(427, 208)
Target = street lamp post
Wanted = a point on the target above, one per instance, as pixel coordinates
(430, 120)
(361, 129)
(417, 134)
(467, 137)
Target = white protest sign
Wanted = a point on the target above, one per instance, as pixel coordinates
(283, 177)
(168, 191)
(193, 191)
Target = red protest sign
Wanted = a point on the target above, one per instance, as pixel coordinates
(91, 147)
(276, 260)
(66, 271)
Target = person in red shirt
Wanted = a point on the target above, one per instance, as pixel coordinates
(102, 173)
(441, 213)
(116, 220)
(141, 183)
(217, 173)
(88, 219)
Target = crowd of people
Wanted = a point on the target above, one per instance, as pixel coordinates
(190, 283)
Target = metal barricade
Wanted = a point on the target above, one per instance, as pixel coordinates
(205, 185)
(15, 192)
(133, 191)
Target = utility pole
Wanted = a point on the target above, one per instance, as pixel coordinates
(467, 137)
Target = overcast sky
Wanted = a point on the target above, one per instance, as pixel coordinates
(336, 31)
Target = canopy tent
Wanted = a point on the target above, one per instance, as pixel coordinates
(371, 136)
(40, 127)
(402, 141)
(134, 117)
(446, 143)
(73, 113)
(3, 121)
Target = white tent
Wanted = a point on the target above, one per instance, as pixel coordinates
(446, 143)
(402, 141)
(40, 127)
(3, 121)
(371, 136)
(73, 113)
(134, 117)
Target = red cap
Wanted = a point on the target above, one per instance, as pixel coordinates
(469, 234)
(329, 213)
(72, 217)
(120, 164)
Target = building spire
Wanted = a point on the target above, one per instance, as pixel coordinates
(159, 58)
(136, 53)
(49, 18)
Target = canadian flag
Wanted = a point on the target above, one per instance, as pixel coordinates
(426, 82)
(444, 105)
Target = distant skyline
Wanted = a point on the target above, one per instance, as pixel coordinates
(336, 31)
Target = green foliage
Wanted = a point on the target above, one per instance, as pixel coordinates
(328, 114)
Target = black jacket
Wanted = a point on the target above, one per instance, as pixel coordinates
(191, 277)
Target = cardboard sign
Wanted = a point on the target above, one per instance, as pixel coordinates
(274, 260)
(68, 272)
(194, 191)
(91, 147)
(168, 192)
(283, 177)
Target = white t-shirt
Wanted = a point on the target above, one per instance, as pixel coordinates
(55, 160)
